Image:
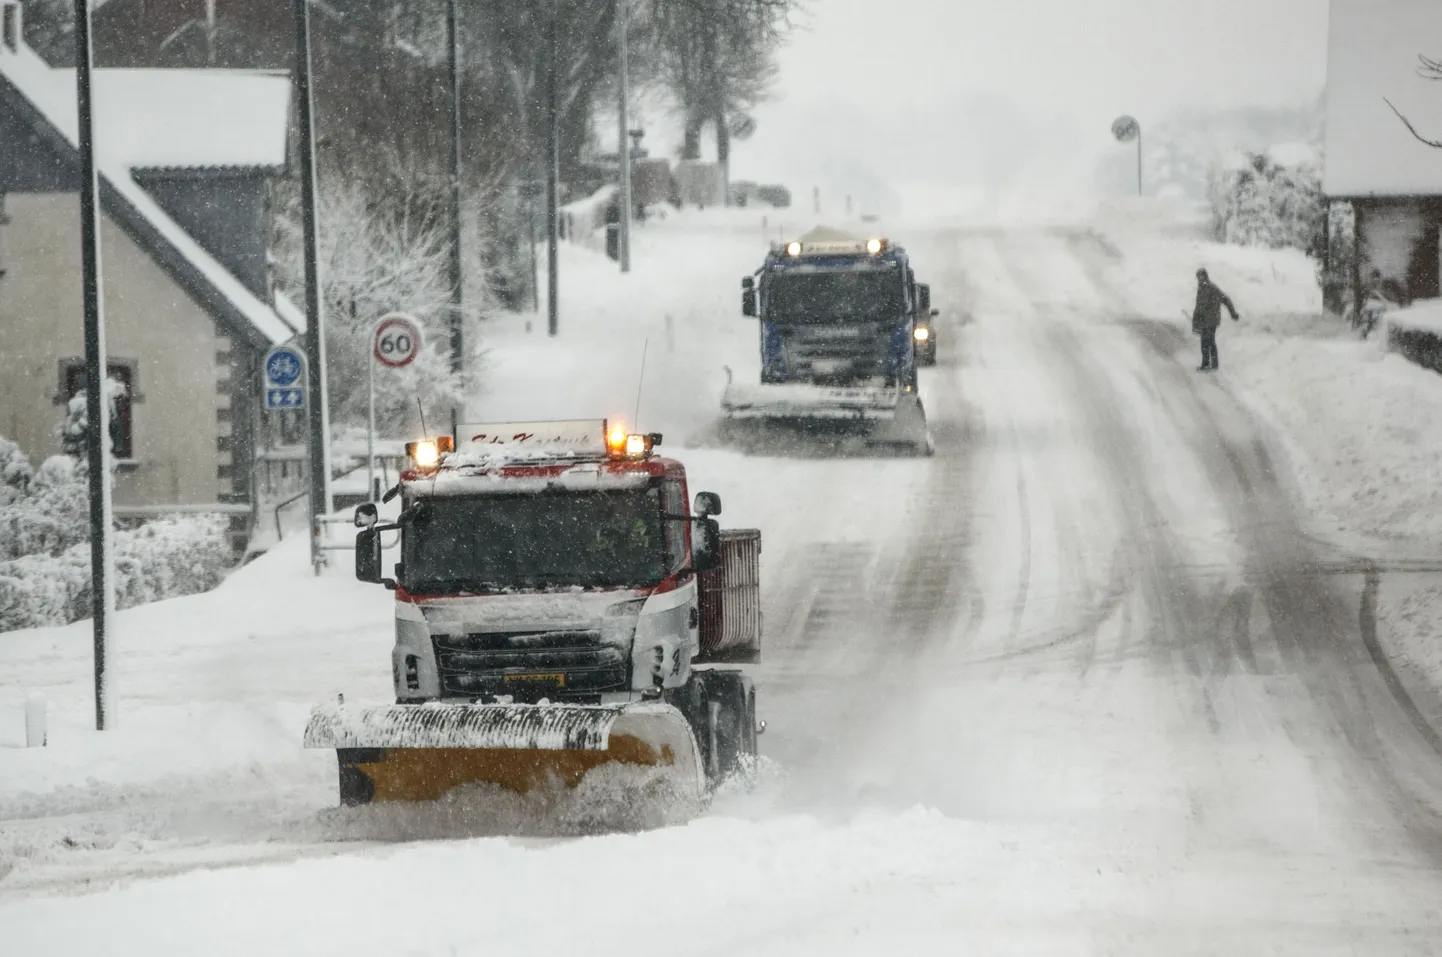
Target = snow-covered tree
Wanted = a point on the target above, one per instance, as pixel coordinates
(714, 56)
(378, 258)
(1259, 202)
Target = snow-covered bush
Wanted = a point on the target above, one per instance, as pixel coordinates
(45, 551)
(1260, 202)
(161, 559)
(51, 516)
(15, 472)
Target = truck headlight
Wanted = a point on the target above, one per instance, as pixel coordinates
(921, 333)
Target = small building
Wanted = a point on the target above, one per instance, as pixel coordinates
(1391, 178)
(183, 158)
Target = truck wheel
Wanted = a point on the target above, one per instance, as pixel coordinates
(728, 724)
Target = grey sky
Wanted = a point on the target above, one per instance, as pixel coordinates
(1062, 68)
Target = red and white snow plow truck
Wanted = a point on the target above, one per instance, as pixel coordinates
(559, 607)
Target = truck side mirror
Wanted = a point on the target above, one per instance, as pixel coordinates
(365, 515)
(368, 556)
(923, 296)
(707, 503)
(748, 302)
(706, 545)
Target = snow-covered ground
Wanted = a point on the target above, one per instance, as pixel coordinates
(1066, 688)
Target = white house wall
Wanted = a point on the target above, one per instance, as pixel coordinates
(149, 319)
(1372, 58)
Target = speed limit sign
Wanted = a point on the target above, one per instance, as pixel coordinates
(397, 340)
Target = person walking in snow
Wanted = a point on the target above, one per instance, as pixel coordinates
(1207, 316)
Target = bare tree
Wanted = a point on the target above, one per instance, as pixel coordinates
(716, 56)
(1428, 69)
(519, 50)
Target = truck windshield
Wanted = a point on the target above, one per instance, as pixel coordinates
(840, 296)
(603, 539)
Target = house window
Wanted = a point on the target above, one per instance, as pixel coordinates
(122, 417)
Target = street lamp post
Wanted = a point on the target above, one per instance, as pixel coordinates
(97, 398)
(623, 150)
(553, 186)
(456, 277)
(317, 406)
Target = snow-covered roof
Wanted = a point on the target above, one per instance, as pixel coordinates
(292, 314)
(1372, 59)
(50, 92)
(155, 119)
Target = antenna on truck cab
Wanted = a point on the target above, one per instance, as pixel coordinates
(641, 381)
(422, 410)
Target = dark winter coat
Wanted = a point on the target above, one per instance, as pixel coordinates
(1208, 313)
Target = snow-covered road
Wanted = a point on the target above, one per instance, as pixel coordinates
(1080, 684)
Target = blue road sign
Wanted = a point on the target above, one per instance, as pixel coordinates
(283, 367)
(285, 384)
(284, 398)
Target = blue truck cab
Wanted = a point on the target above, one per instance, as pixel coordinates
(837, 310)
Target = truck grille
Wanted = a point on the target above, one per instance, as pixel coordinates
(530, 665)
(849, 351)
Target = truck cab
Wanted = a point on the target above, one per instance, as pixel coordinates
(836, 310)
(560, 562)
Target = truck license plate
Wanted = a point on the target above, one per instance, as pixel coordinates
(556, 679)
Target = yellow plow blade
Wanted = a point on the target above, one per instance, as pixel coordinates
(422, 752)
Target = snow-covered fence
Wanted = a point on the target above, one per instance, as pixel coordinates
(584, 221)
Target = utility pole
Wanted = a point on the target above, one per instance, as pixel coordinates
(623, 141)
(531, 242)
(97, 398)
(1139, 161)
(457, 292)
(553, 187)
(317, 406)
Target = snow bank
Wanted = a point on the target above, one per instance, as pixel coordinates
(1425, 315)
(256, 653)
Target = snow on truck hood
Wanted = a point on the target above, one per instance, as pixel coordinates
(572, 610)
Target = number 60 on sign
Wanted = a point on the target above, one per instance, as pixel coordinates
(397, 341)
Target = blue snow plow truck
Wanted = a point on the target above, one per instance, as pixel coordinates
(840, 318)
